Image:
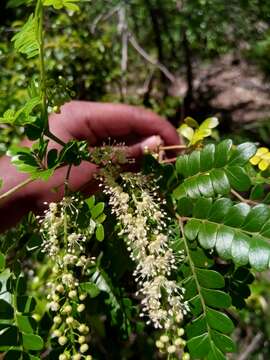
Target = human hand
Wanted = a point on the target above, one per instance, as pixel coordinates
(94, 122)
(97, 122)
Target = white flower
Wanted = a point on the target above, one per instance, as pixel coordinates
(68, 279)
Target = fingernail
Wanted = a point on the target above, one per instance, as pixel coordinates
(151, 143)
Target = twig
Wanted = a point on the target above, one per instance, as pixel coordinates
(166, 161)
(172, 147)
(251, 347)
(67, 179)
(16, 188)
(148, 58)
(103, 17)
(54, 138)
(239, 197)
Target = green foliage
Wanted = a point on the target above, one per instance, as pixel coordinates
(208, 330)
(18, 328)
(194, 132)
(236, 231)
(22, 116)
(59, 4)
(214, 170)
(26, 40)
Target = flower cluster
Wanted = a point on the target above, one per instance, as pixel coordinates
(137, 207)
(64, 244)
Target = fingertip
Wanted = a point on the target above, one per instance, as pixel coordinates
(151, 144)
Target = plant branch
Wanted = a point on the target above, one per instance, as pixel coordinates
(148, 58)
(67, 178)
(172, 147)
(54, 138)
(16, 188)
(193, 270)
(166, 161)
(42, 72)
(242, 199)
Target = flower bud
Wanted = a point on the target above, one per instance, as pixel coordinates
(69, 320)
(81, 339)
(164, 338)
(185, 356)
(76, 357)
(62, 340)
(80, 307)
(57, 333)
(67, 309)
(84, 348)
(180, 332)
(60, 288)
(159, 344)
(63, 357)
(82, 297)
(54, 306)
(72, 294)
(57, 320)
(171, 349)
(83, 328)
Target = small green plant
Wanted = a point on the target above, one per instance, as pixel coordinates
(195, 232)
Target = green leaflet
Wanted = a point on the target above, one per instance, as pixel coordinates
(17, 325)
(208, 331)
(103, 283)
(25, 161)
(32, 341)
(22, 116)
(26, 40)
(59, 4)
(237, 232)
(120, 308)
(90, 288)
(214, 170)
